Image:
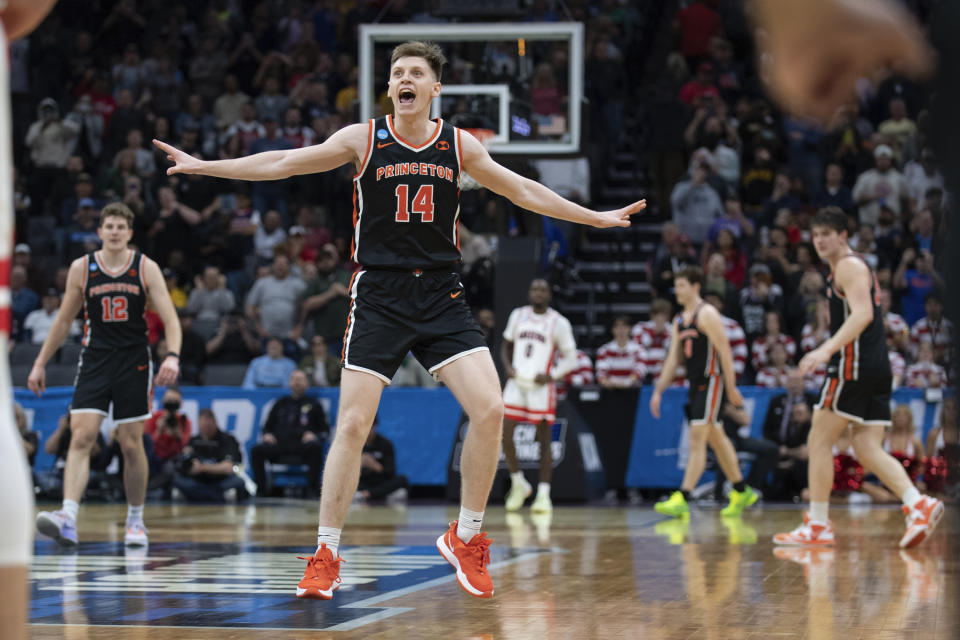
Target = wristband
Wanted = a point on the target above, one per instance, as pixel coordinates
(174, 354)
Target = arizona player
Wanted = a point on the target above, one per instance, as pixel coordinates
(533, 334)
(856, 390)
(112, 286)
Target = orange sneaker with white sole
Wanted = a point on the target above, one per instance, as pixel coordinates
(810, 533)
(321, 576)
(470, 560)
(922, 519)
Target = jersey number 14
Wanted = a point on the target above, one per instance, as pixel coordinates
(422, 203)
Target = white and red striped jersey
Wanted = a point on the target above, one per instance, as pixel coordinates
(940, 333)
(299, 137)
(738, 344)
(535, 337)
(760, 351)
(810, 340)
(616, 364)
(770, 377)
(923, 375)
(655, 344)
(898, 366)
(896, 326)
(582, 374)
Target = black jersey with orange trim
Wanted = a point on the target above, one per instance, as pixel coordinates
(406, 200)
(114, 303)
(866, 355)
(700, 356)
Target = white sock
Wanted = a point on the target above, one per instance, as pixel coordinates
(818, 511)
(329, 536)
(134, 514)
(910, 497)
(543, 489)
(517, 479)
(71, 508)
(469, 524)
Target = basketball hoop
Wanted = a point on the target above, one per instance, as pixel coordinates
(484, 136)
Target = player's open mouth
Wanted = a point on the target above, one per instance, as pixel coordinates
(407, 96)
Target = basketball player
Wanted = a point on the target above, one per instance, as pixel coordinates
(698, 330)
(856, 390)
(533, 334)
(112, 286)
(17, 19)
(407, 296)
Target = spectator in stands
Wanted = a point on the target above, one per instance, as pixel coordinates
(270, 194)
(143, 158)
(922, 235)
(735, 335)
(781, 197)
(210, 301)
(295, 431)
(82, 235)
(722, 161)
(680, 256)
(759, 356)
(29, 439)
(757, 182)
(247, 129)
(788, 424)
(378, 470)
(804, 302)
(733, 220)
(326, 299)
(581, 376)
(865, 244)
(774, 373)
(814, 334)
(900, 131)
(169, 428)
(234, 342)
(898, 332)
(178, 294)
(270, 370)
(880, 186)
(173, 228)
(921, 176)
(721, 276)
(195, 118)
(889, 237)
(294, 132)
(834, 193)
(267, 236)
(757, 299)
(925, 373)
(207, 68)
(701, 92)
(50, 141)
(228, 105)
(734, 259)
(126, 117)
(23, 298)
(620, 361)
(205, 467)
(898, 366)
(193, 350)
(38, 322)
(271, 303)
(916, 277)
(322, 368)
(935, 328)
(653, 336)
(695, 204)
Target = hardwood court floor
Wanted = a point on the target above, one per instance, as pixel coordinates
(593, 572)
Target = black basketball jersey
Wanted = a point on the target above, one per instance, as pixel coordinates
(406, 200)
(868, 351)
(114, 303)
(700, 356)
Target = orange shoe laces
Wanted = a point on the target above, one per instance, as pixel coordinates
(313, 570)
(479, 550)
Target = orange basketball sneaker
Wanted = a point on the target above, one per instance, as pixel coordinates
(922, 519)
(322, 575)
(809, 533)
(470, 560)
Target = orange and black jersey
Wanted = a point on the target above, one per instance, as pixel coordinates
(700, 356)
(406, 200)
(114, 303)
(866, 355)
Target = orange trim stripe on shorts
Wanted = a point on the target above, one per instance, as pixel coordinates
(848, 362)
(715, 397)
(346, 332)
(830, 391)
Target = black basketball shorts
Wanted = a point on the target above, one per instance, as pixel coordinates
(121, 376)
(704, 400)
(866, 401)
(396, 312)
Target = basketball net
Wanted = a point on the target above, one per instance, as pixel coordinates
(484, 136)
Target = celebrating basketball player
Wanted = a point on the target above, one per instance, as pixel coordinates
(112, 286)
(532, 335)
(699, 332)
(856, 391)
(407, 296)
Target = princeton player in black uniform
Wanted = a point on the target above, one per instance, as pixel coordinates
(112, 286)
(407, 296)
(856, 391)
(699, 334)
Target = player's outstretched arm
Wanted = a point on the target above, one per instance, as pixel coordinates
(69, 308)
(160, 299)
(346, 145)
(709, 321)
(533, 196)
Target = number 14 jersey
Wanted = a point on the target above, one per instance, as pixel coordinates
(406, 199)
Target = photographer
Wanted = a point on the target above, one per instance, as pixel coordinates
(51, 141)
(915, 278)
(50, 482)
(295, 429)
(168, 428)
(204, 470)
